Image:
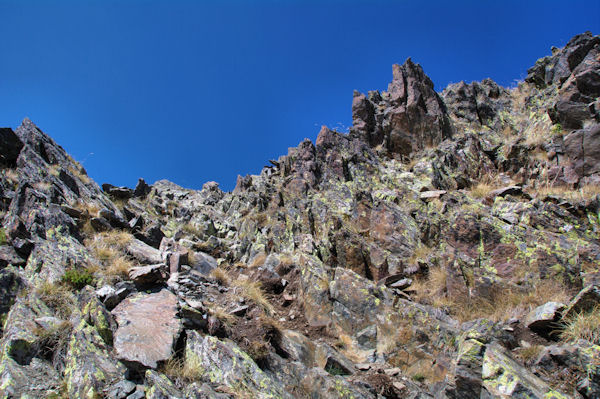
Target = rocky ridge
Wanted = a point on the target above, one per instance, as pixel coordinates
(446, 247)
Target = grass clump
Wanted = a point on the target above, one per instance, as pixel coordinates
(2, 236)
(80, 173)
(109, 248)
(481, 190)
(582, 193)
(119, 267)
(258, 260)
(191, 229)
(530, 353)
(181, 370)
(57, 297)
(502, 303)
(221, 314)
(221, 276)
(584, 325)
(252, 291)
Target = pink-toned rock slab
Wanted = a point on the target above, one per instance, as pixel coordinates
(148, 328)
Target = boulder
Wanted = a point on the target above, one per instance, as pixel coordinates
(148, 328)
(100, 224)
(203, 263)
(160, 387)
(478, 103)
(8, 256)
(89, 366)
(587, 299)
(543, 319)
(504, 377)
(583, 148)
(224, 363)
(149, 275)
(143, 253)
(410, 116)
(151, 235)
(142, 189)
(117, 192)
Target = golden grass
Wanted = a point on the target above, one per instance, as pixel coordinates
(183, 370)
(502, 304)
(258, 260)
(583, 193)
(54, 170)
(79, 174)
(530, 353)
(57, 297)
(42, 186)
(584, 325)
(344, 341)
(481, 190)
(191, 229)
(119, 267)
(252, 291)
(109, 248)
(221, 313)
(221, 276)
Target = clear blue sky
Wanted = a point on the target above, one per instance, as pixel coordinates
(194, 91)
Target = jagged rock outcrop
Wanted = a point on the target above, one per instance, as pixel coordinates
(478, 103)
(406, 118)
(446, 247)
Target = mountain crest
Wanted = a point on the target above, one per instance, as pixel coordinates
(446, 247)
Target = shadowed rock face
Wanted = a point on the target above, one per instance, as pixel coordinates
(427, 253)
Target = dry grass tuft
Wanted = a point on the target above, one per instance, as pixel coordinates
(182, 370)
(530, 353)
(251, 290)
(584, 325)
(586, 192)
(481, 190)
(191, 229)
(344, 341)
(221, 313)
(57, 297)
(54, 170)
(221, 276)
(109, 248)
(258, 260)
(119, 267)
(503, 303)
(42, 186)
(79, 174)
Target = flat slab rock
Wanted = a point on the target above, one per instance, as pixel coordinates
(148, 328)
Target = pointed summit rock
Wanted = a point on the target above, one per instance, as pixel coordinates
(408, 117)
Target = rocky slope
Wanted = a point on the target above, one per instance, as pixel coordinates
(447, 246)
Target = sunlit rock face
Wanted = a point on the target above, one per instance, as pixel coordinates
(446, 246)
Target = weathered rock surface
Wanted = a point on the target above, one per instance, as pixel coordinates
(425, 254)
(223, 362)
(148, 328)
(406, 118)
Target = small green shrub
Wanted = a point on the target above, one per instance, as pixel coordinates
(78, 278)
(557, 128)
(418, 377)
(2, 236)
(335, 369)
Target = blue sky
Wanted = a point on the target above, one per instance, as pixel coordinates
(195, 91)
